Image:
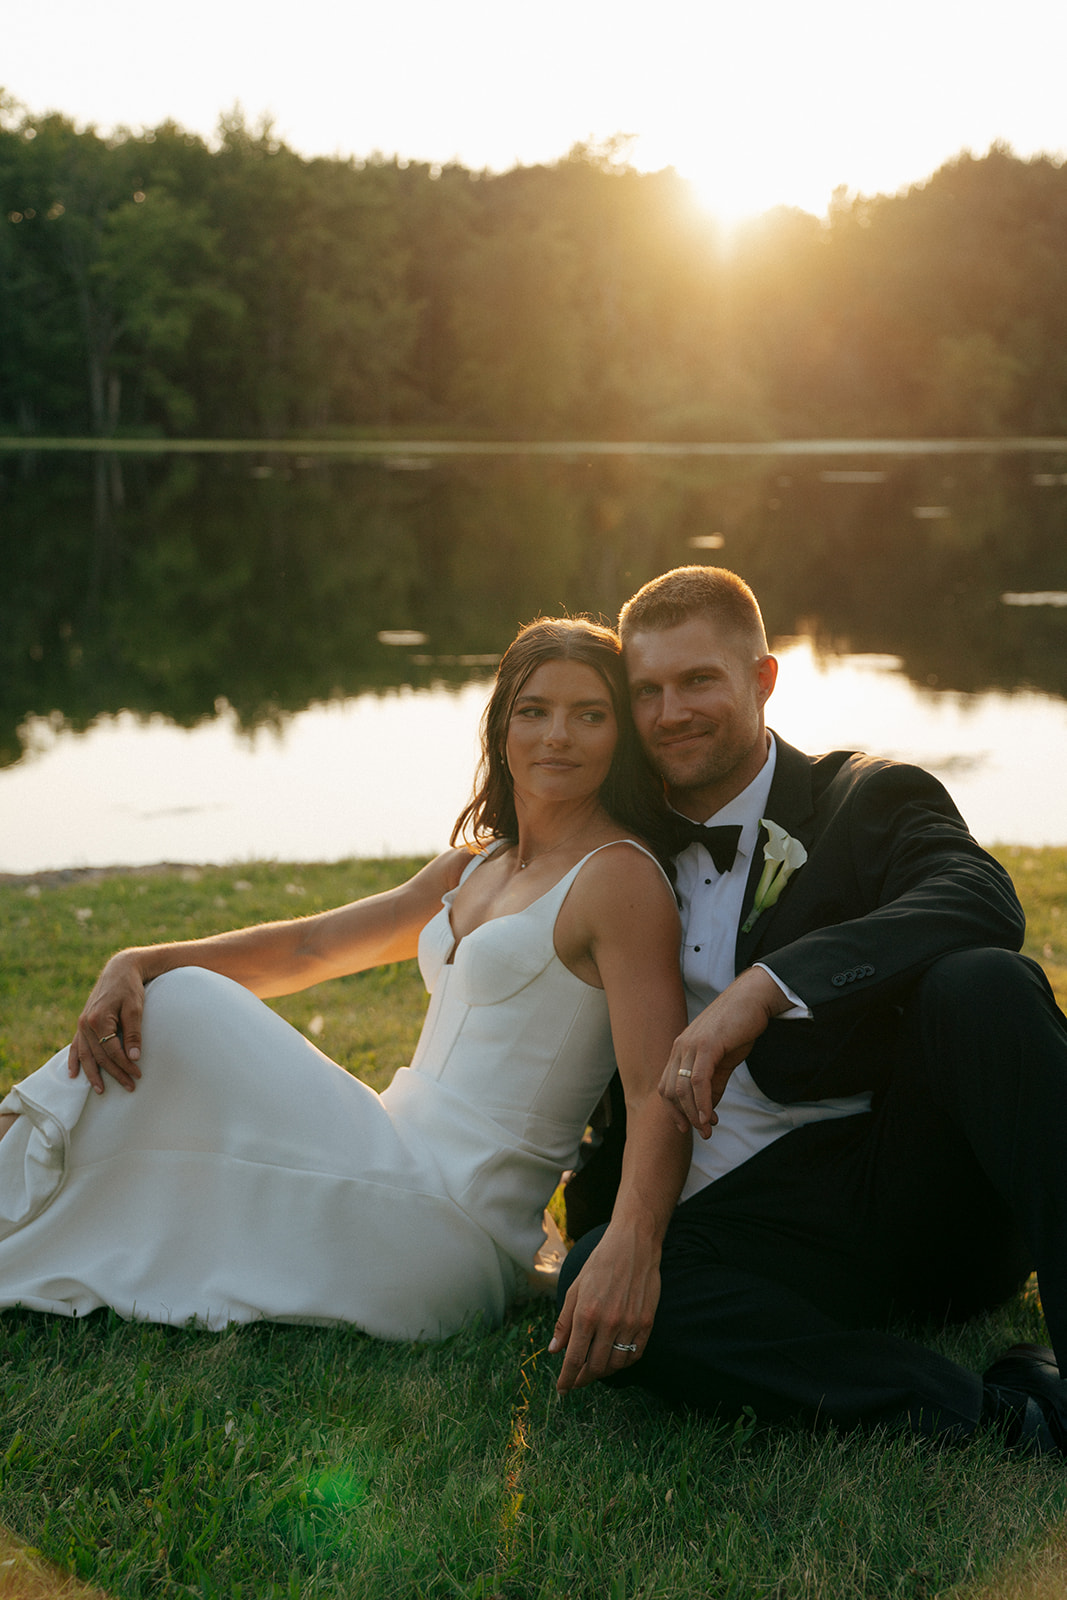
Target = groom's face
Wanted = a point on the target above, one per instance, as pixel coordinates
(698, 695)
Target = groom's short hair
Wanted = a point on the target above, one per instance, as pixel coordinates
(713, 593)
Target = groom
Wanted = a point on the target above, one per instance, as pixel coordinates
(888, 1077)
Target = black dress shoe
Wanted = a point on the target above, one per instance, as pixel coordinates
(1026, 1397)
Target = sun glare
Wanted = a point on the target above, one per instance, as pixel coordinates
(732, 192)
(735, 179)
(725, 196)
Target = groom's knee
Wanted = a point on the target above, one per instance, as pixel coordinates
(984, 995)
(983, 977)
(982, 1017)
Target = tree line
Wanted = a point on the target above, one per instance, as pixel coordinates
(151, 283)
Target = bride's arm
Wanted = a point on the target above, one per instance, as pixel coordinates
(272, 958)
(635, 947)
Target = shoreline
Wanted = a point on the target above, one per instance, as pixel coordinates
(410, 447)
(63, 877)
(60, 877)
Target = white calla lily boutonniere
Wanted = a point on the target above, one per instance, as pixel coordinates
(782, 856)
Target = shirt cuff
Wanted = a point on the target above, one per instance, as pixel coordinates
(797, 1008)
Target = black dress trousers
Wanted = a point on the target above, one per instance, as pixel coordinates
(780, 1278)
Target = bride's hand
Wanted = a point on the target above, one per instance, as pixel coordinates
(108, 1035)
(608, 1312)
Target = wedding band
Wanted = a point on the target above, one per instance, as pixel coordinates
(629, 1348)
(106, 1037)
(685, 1072)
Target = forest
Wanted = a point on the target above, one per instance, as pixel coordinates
(155, 285)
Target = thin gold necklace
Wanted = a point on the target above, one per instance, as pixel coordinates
(524, 862)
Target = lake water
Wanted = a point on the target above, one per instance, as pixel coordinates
(229, 658)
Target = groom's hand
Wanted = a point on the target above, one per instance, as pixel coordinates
(716, 1042)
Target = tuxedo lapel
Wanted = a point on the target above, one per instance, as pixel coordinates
(791, 804)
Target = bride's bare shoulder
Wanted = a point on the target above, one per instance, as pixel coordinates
(445, 871)
(435, 879)
(624, 869)
(621, 907)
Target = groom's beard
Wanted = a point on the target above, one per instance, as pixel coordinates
(700, 765)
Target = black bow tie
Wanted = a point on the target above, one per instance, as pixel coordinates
(720, 843)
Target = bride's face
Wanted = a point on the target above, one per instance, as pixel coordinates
(562, 732)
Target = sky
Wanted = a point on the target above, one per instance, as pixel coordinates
(756, 104)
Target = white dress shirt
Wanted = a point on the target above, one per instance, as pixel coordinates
(711, 912)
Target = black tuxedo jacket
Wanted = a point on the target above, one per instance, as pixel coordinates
(893, 881)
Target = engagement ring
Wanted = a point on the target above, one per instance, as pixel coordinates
(106, 1037)
(630, 1348)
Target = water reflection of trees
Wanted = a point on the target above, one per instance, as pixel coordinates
(915, 567)
(164, 585)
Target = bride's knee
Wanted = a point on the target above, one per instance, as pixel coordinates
(182, 985)
(177, 1001)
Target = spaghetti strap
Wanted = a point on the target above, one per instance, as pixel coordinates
(645, 851)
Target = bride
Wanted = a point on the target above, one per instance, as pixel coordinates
(242, 1175)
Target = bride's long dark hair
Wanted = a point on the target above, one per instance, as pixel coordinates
(631, 794)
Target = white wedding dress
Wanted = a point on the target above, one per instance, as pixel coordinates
(250, 1177)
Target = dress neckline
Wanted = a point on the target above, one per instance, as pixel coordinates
(450, 894)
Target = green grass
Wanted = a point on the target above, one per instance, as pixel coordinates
(1041, 881)
(275, 1461)
(282, 1462)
